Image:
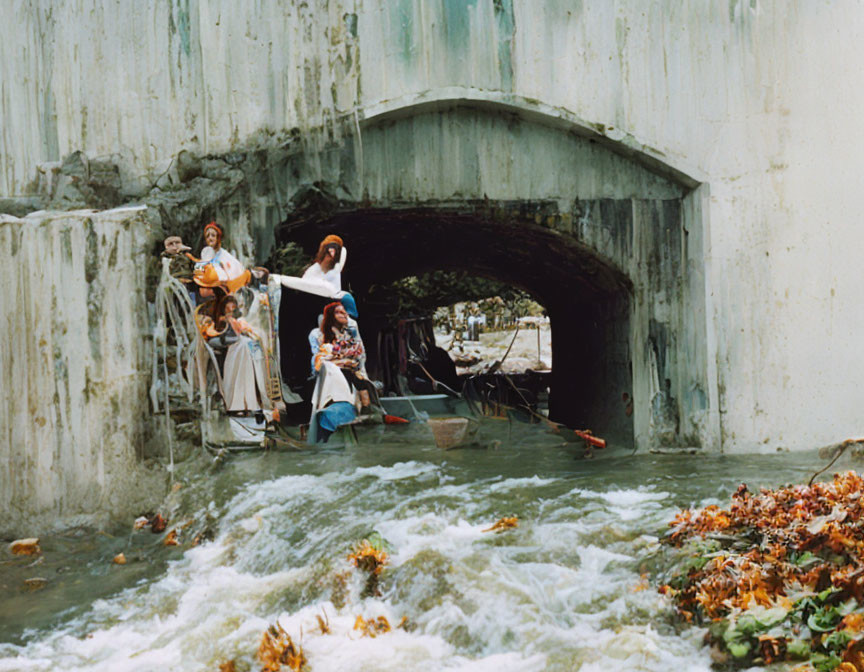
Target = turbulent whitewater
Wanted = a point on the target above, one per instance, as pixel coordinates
(573, 587)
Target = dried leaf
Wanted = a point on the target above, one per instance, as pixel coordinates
(503, 524)
(278, 649)
(372, 627)
(25, 546)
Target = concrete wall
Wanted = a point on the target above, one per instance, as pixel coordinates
(74, 369)
(757, 100)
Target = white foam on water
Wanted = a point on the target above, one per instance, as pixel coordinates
(555, 593)
(399, 471)
(346, 648)
(629, 504)
(513, 483)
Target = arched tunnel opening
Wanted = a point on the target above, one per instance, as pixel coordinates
(587, 301)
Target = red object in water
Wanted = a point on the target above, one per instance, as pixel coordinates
(395, 420)
(157, 524)
(595, 441)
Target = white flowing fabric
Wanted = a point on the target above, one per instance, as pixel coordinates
(226, 265)
(239, 378)
(334, 388)
(316, 281)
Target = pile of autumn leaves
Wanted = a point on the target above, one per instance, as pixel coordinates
(779, 575)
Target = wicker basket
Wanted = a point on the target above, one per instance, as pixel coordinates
(451, 432)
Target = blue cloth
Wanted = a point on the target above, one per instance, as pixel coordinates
(336, 414)
(350, 305)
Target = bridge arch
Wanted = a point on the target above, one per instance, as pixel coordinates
(607, 237)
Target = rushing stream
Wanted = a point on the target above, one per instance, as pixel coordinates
(566, 590)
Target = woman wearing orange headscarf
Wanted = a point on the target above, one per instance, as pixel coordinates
(328, 264)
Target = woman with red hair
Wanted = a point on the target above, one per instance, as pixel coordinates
(342, 346)
(328, 264)
(213, 237)
(218, 266)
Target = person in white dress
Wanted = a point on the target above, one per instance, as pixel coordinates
(324, 275)
(218, 263)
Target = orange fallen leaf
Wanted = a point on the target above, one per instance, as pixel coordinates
(278, 649)
(503, 524)
(25, 546)
(372, 627)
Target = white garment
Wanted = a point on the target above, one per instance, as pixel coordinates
(334, 388)
(227, 266)
(239, 378)
(332, 278)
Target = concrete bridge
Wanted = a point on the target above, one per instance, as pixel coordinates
(658, 174)
(605, 236)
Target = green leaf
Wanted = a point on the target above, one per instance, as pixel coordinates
(768, 617)
(806, 558)
(846, 608)
(739, 649)
(825, 663)
(798, 649)
(823, 619)
(825, 594)
(748, 625)
(837, 641)
(378, 542)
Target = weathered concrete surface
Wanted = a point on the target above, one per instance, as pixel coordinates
(73, 366)
(722, 95)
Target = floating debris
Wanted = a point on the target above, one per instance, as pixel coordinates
(372, 627)
(119, 559)
(36, 583)
(370, 556)
(323, 623)
(278, 649)
(228, 666)
(140, 523)
(171, 539)
(25, 546)
(158, 524)
(777, 576)
(503, 524)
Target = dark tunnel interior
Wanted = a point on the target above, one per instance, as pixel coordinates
(587, 300)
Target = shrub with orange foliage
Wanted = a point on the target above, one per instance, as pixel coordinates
(778, 575)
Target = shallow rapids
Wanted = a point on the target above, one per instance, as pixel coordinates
(572, 588)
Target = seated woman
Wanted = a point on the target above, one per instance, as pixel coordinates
(342, 346)
(342, 383)
(242, 383)
(243, 387)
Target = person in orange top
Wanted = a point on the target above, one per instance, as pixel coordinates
(217, 264)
